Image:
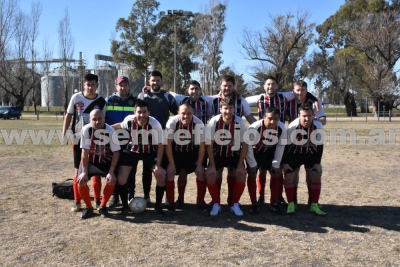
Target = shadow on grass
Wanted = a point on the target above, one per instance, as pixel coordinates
(340, 218)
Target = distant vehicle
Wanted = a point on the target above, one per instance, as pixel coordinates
(8, 112)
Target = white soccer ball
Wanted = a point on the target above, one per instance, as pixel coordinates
(137, 204)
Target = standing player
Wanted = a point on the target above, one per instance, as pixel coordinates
(185, 152)
(146, 144)
(100, 156)
(119, 105)
(202, 106)
(301, 98)
(195, 98)
(241, 108)
(79, 108)
(271, 98)
(267, 151)
(304, 148)
(226, 148)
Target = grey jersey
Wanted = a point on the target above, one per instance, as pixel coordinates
(161, 104)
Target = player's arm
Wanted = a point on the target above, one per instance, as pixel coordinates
(252, 100)
(116, 126)
(171, 170)
(211, 162)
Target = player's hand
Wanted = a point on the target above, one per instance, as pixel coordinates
(317, 106)
(211, 173)
(200, 172)
(82, 179)
(159, 172)
(146, 89)
(241, 171)
(286, 167)
(111, 179)
(171, 170)
(275, 171)
(252, 172)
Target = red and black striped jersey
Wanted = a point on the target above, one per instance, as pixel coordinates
(241, 106)
(201, 108)
(279, 101)
(227, 137)
(143, 139)
(305, 141)
(184, 137)
(267, 141)
(99, 142)
(293, 109)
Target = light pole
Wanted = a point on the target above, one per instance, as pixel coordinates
(176, 13)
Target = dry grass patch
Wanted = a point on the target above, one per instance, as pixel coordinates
(360, 194)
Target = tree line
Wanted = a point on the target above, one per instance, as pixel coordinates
(352, 55)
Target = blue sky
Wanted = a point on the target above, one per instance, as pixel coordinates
(93, 22)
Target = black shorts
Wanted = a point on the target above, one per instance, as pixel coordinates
(77, 152)
(100, 169)
(295, 161)
(183, 161)
(264, 159)
(128, 158)
(229, 162)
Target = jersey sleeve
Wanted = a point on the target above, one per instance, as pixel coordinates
(246, 107)
(252, 100)
(243, 128)
(124, 123)
(71, 105)
(288, 95)
(280, 147)
(210, 129)
(178, 97)
(173, 105)
(157, 127)
(85, 137)
(113, 139)
(171, 127)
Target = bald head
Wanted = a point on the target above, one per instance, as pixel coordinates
(97, 119)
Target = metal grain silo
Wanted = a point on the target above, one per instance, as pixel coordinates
(52, 86)
(106, 73)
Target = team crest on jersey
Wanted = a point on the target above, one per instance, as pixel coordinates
(80, 106)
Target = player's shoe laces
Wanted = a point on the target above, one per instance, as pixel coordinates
(87, 213)
(236, 210)
(291, 208)
(316, 209)
(76, 207)
(216, 209)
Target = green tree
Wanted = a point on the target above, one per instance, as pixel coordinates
(137, 36)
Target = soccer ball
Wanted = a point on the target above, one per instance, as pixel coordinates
(137, 204)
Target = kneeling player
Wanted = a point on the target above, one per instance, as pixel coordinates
(184, 154)
(146, 145)
(226, 148)
(99, 157)
(305, 149)
(267, 152)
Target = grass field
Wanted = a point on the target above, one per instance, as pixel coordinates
(360, 194)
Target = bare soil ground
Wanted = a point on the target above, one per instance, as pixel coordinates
(360, 193)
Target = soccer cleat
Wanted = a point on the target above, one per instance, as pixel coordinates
(124, 211)
(261, 200)
(87, 213)
(282, 201)
(179, 204)
(160, 212)
(274, 208)
(97, 205)
(236, 209)
(103, 211)
(254, 209)
(216, 209)
(316, 209)
(291, 208)
(76, 207)
(113, 202)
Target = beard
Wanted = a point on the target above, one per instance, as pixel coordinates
(155, 88)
